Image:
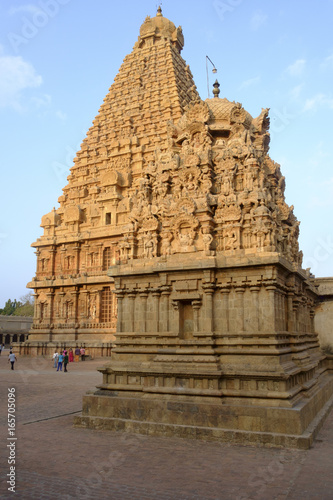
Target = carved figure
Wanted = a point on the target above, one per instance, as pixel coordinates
(149, 246)
(124, 247)
(231, 242)
(166, 243)
(92, 308)
(207, 239)
(261, 231)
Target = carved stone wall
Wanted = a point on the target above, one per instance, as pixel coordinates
(174, 234)
(92, 228)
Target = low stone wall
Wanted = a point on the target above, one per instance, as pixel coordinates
(34, 349)
(324, 313)
(14, 328)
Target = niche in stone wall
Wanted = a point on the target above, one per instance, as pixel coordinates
(186, 319)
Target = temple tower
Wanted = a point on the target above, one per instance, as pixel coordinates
(81, 239)
(174, 236)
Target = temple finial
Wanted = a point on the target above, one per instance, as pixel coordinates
(159, 11)
(216, 90)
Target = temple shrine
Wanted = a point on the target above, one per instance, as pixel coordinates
(175, 252)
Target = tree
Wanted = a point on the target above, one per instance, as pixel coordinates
(10, 307)
(26, 307)
(22, 307)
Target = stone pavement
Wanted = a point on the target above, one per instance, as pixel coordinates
(55, 460)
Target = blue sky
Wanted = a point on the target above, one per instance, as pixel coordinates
(58, 59)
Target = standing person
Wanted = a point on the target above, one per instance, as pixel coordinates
(77, 354)
(60, 361)
(0, 349)
(82, 352)
(70, 355)
(12, 359)
(65, 361)
(55, 359)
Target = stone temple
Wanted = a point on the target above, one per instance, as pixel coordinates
(174, 238)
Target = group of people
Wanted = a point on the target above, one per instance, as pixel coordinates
(67, 357)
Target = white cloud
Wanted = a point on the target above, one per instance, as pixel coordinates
(30, 8)
(328, 62)
(297, 68)
(296, 91)
(316, 101)
(257, 20)
(249, 82)
(42, 101)
(61, 115)
(16, 75)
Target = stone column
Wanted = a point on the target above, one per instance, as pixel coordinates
(312, 316)
(84, 258)
(120, 296)
(156, 310)
(98, 305)
(75, 295)
(63, 251)
(52, 263)
(143, 312)
(270, 308)
(77, 259)
(35, 296)
(99, 263)
(225, 309)
(83, 313)
(37, 253)
(290, 322)
(131, 297)
(196, 304)
(208, 311)
(239, 320)
(254, 322)
(282, 311)
(175, 319)
(38, 310)
(133, 242)
(164, 309)
(50, 297)
(296, 314)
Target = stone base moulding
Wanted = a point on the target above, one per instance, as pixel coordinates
(245, 425)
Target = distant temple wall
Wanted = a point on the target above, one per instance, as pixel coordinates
(324, 313)
(14, 328)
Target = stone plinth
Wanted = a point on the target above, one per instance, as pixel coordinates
(236, 357)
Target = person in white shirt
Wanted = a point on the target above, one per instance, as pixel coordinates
(55, 359)
(12, 359)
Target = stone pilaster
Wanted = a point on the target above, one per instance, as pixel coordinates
(239, 318)
(208, 315)
(164, 309)
(156, 310)
(143, 311)
(254, 312)
(131, 312)
(225, 292)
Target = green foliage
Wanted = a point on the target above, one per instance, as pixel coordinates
(10, 307)
(24, 310)
(22, 307)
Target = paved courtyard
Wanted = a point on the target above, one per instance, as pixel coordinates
(55, 460)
